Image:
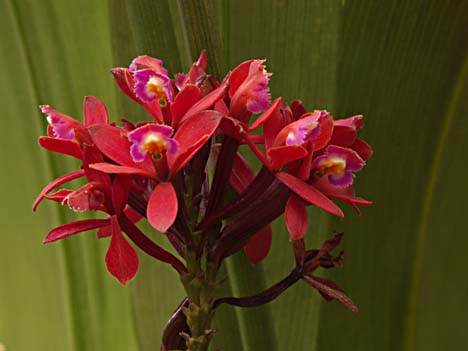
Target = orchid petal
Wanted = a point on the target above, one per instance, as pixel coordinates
(116, 169)
(296, 217)
(362, 148)
(64, 127)
(65, 147)
(90, 197)
(265, 116)
(162, 207)
(200, 127)
(343, 135)
(297, 109)
(206, 103)
(253, 94)
(72, 228)
(309, 193)
(124, 79)
(282, 155)
(55, 184)
(121, 257)
(145, 61)
(258, 246)
(60, 195)
(187, 97)
(111, 141)
(354, 122)
(95, 111)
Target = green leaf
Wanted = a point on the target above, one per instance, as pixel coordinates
(402, 66)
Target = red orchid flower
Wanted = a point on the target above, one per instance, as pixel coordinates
(70, 137)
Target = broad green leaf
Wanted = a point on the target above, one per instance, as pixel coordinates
(401, 66)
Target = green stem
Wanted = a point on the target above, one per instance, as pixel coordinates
(200, 289)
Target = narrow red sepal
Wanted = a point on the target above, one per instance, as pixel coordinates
(265, 116)
(71, 228)
(116, 169)
(309, 193)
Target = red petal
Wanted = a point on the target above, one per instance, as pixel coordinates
(56, 183)
(104, 232)
(309, 193)
(265, 116)
(237, 77)
(282, 155)
(183, 102)
(90, 197)
(362, 148)
(183, 157)
(189, 136)
(111, 142)
(120, 190)
(277, 121)
(162, 207)
(124, 79)
(296, 217)
(68, 229)
(60, 195)
(297, 109)
(202, 60)
(60, 146)
(344, 194)
(206, 102)
(154, 110)
(343, 136)
(94, 111)
(121, 257)
(326, 130)
(259, 245)
(233, 128)
(115, 169)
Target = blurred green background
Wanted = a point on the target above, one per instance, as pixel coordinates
(403, 64)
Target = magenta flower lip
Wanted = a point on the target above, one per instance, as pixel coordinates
(150, 85)
(151, 139)
(338, 164)
(62, 125)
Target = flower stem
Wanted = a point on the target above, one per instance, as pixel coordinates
(200, 287)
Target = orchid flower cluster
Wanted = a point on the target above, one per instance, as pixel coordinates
(180, 169)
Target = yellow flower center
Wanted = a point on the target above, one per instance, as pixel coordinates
(333, 165)
(155, 87)
(154, 144)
